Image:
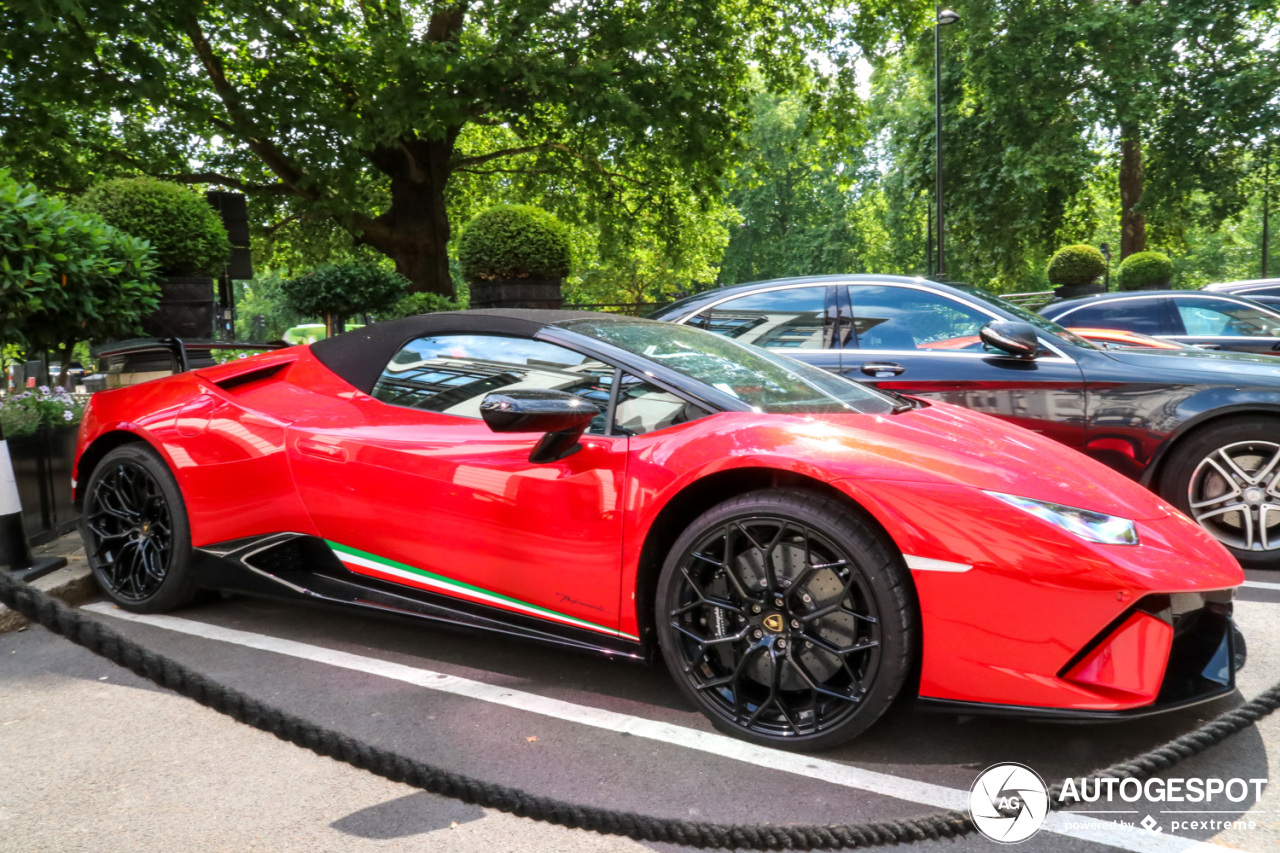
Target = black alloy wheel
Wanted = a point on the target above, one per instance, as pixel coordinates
(1227, 478)
(785, 619)
(135, 532)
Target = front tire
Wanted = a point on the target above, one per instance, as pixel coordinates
(1227, 478)
(785, 620)
(135, 532)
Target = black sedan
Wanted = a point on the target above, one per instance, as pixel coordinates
(1200, 428)
(1227, 321)
(1264, 290)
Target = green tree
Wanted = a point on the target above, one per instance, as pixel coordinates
(793, 192)
(1084, 120)
(354, 112)
(337, 291)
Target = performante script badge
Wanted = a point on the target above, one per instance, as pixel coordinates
(773, 622)
(1008, 803)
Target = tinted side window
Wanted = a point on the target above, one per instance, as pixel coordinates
(903, 318)
(1132, 315)
(1211, 317)
(776, 319)
(453, 373)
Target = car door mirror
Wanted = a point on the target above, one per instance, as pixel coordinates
(560, 416)
(1011, 337)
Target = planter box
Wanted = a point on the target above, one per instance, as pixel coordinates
(186, 309)
(1071, 291)
(517, 293)
(42, 467)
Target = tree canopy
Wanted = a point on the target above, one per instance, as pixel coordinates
(682, 143)
(354, 112)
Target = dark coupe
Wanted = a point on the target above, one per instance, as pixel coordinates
(1202, 429)
(1226, 321)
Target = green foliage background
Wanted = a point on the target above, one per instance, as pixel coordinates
(683, 145)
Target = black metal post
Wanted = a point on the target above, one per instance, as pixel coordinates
(937, 103)
(928, 240)
(1266, 209)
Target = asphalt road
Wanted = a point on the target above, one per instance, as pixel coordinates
(92, 758)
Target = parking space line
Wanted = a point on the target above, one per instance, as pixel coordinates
(1262, 585)
(1072, 824)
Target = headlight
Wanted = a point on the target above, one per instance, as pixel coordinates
(1088, 525)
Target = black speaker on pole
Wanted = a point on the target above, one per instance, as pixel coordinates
(234, 211)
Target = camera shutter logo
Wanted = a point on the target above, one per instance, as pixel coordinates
(1008, 803)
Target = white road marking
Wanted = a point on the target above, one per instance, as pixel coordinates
(1073, 824)
(1262, 585)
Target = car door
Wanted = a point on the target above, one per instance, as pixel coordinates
(1231, 324)
(411, 487)
(920, 341)
(798, 320)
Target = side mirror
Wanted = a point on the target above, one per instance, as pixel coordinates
(1011, 337)
(563, 417)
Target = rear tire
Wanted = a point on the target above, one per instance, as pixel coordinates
(1227, 478)
(785, 619)
(135, 532)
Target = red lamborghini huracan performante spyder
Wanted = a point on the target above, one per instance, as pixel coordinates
(799, 548)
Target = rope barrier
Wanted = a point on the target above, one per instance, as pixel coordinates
(110, 644)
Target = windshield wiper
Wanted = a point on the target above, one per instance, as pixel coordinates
(904, 404)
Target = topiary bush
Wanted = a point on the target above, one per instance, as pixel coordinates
(342, 290)
(511, 241)
(1145, 269)
(180, 225)
(67, 276)
(1075, 265)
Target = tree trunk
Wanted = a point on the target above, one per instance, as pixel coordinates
(64, 356)
(1133, 223)
(414, 230)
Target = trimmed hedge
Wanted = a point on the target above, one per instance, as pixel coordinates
(341, 290)
(514, 241)
(180, 225)
(1078, 264)
(1143, 269)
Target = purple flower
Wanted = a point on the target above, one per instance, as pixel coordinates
(66, 416)
(44, 390)
(59, 391)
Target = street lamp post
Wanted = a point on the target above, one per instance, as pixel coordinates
(1106, 253)
(941, 19)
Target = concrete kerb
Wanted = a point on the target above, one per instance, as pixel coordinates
(73, 584)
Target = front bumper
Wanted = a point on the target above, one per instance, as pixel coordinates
(1194, 660)
(1010, 605)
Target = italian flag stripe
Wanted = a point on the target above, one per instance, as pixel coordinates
(362, 562)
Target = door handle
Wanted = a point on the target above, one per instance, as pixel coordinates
(882, 369)
(322, 450)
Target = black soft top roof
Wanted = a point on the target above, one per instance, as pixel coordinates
(360, 355)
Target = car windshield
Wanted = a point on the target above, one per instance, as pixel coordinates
(766, 381)
(1042, 323)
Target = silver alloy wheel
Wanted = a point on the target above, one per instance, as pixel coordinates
(1234, 493)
